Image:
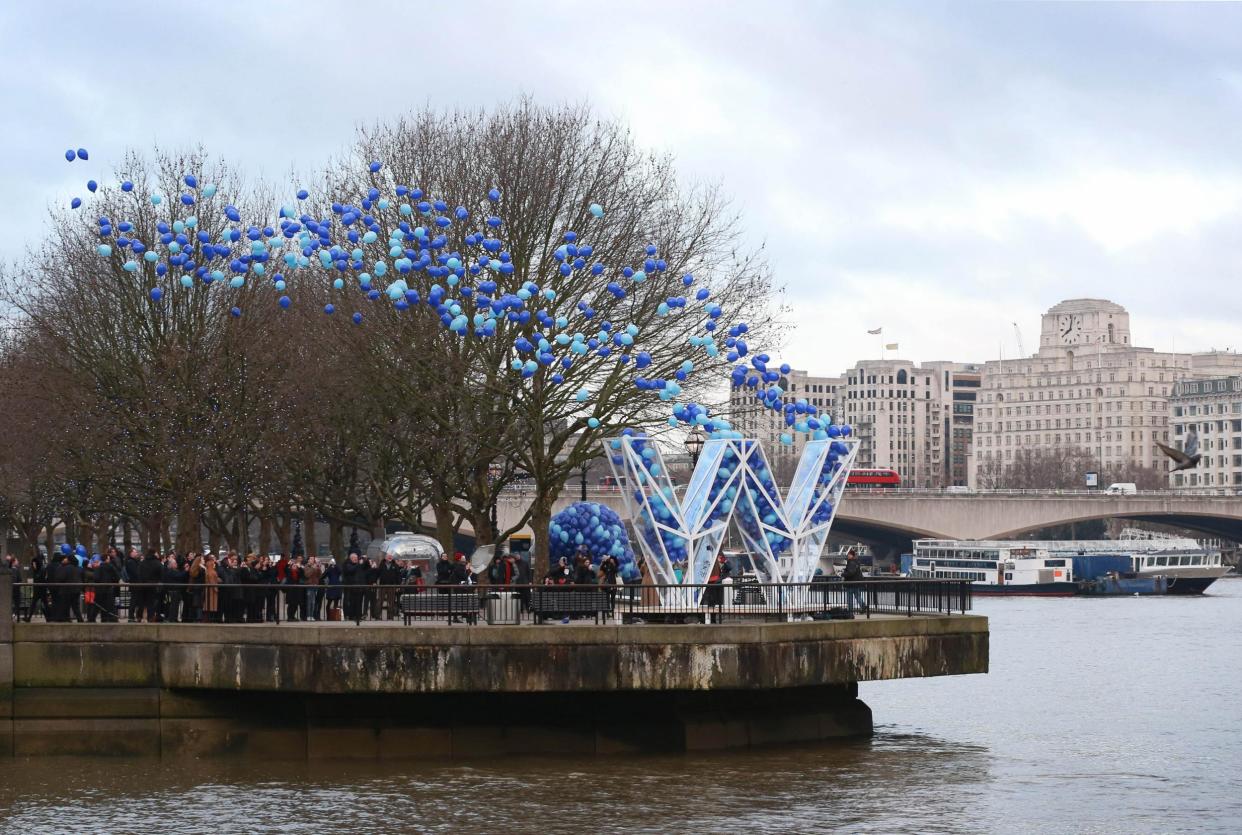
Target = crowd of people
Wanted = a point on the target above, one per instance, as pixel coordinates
(231, 588)
(204, 587)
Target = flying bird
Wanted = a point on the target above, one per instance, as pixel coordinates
(1181, 460)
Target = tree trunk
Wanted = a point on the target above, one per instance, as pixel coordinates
(105, 533)
(481, 521)
(167, 543)
(86, 534)
(444, 527)
(284, 533)
(127, 535)
(310, 542)
(31, 533)
(241, 524)
(51, 538)
(540, 521)
(336, 539)
(188, 527)
(265, 535)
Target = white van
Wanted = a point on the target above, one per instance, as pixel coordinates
(1123, 488)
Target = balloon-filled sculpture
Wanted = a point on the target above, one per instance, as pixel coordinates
(732, 482)
(596, 527)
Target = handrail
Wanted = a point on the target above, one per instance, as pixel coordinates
(255, 603)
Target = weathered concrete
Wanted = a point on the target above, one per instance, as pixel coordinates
(379, 691)
(517, 659)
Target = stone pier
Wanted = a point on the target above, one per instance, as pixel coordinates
(310, 691)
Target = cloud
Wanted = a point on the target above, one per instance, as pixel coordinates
(941, 174)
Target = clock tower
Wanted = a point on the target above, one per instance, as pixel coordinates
(1076, 324)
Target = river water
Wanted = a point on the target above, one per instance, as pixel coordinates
(1098, 715)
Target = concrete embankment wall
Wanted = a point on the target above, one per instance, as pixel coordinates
(435, 691)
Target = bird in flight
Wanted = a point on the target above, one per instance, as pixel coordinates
(1181, 460)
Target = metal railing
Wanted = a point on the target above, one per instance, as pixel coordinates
(828, 599)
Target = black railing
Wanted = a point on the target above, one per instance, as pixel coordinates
(513, 604)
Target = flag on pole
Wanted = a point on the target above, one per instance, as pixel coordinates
(892, 346)
(876, 332)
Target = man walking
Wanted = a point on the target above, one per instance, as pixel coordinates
(852, 576)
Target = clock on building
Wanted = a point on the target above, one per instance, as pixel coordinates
(1070, 328)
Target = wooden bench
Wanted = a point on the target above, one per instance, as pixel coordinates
(566, 601)
(435, 604)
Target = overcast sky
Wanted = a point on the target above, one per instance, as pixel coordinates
(938, 170)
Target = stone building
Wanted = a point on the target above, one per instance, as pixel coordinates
(916, 419)
(1087, 386)
(1207, 415)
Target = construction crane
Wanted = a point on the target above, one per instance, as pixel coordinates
(1018, 333)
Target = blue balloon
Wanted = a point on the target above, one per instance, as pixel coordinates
(91, 185)
(357, 318)
(375, 166)
(127, 186)
(329, 309)
(64, 548)
(285, 301)
(156, 294)
(83, 155)
(235, 312)
(75, 202)
(493, 195)
(303, 194)
(70, 155)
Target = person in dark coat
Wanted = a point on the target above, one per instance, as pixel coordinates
(294, 595)
(853, 576)
(252, 598)
(150, 573)
(130, 570)
(63, 579)
(174, 579)
(353, 577)
(271, 595)
(332, 588)
(389, 579)
(372, 599)
(444, 571)
(40, 599)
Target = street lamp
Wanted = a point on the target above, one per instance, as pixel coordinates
(694, 445)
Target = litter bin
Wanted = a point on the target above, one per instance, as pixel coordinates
(503, 608)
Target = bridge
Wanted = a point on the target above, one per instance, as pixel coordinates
(892, 518)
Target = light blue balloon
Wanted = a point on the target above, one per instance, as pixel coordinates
(104, 250)
(237, 282)
(597, 210)
(130, 266)
(187, 281)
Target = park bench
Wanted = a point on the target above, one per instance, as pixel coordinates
(435, 604)
(561, 602)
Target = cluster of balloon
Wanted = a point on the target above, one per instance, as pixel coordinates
(596, 527)
(78, 551)
(833, 462)
(406, 247)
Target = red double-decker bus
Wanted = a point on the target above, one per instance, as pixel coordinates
(868, 479)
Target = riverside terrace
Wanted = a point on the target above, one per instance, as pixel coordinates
(383, 689)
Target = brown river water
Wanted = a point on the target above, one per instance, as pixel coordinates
(1099, 715)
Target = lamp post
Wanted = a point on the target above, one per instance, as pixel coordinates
(582, 473)
(694, 446)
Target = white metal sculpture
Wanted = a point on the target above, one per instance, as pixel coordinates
(679, 537)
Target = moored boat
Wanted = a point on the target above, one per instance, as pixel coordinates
(993, 568)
